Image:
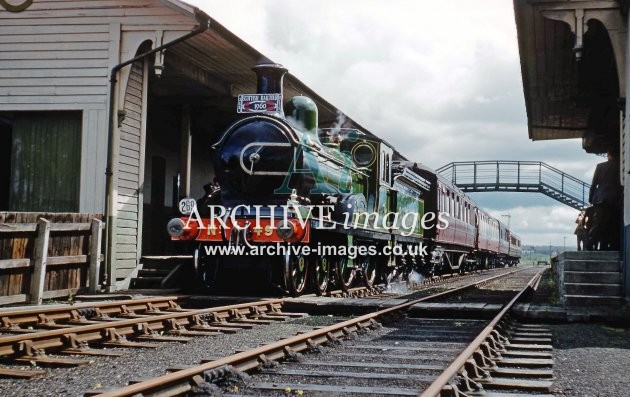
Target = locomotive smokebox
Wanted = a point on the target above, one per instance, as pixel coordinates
(270, 76)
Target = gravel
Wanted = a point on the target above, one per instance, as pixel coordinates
(425, 290)
(108, 372)
(591, 360)
(353, 356)
(112, 372)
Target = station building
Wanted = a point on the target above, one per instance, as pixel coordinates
(574, 61)
(110, 108)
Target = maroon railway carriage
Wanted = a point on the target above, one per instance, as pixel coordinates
(473, 238)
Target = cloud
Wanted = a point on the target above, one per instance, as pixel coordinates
(541, 225)
(440, 81)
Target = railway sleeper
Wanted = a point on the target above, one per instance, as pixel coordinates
(465, 383)
(100, 316)
(216, 320)
(144, 332)
(7, 326)
(114, 339)
(79, 347)
(258, 314)
(482, 360)
(21, 373)
(31, 355)
(477, 373)
(76, 318)
(197, 323)
(173, 327)
(44, 322)
(265, 362)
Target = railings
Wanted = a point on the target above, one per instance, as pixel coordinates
(517, 176)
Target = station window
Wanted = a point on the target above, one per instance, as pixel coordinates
(40, 153)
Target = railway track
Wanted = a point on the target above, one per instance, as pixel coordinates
(134, 324)
(44, 318)
(199, 378)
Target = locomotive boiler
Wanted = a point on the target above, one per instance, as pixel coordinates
(337, 205)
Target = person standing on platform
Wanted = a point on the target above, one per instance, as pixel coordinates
(605, 195)
(580, 231)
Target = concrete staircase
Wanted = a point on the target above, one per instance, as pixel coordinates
(589, 278)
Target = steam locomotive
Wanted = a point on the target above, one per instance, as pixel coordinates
(332, 206)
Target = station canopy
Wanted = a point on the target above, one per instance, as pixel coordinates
(570, 78)
(214, 67)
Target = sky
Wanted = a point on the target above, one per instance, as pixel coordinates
(440, 81)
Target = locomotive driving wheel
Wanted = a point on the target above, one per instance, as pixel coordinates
(295, 269)
(321, 274)
(387, 273)
(206, 267)
(344, 272)
(368, 265)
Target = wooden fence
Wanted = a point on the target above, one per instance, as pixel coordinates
(48, 255)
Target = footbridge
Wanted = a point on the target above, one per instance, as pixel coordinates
(517, 176)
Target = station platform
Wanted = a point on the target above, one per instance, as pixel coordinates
(561, 314)
(588, 278)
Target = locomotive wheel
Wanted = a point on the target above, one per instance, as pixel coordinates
(368, 264)
(321, 274)
(461, 262)
(407, 274)
(387, 274)
(484, 263)
(206, 267)
(295, 273)
(344, 273)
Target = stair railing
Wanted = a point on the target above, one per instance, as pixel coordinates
(518, 176)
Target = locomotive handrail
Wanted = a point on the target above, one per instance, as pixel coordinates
(517, 176)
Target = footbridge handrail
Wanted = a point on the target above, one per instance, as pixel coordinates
(517, 176)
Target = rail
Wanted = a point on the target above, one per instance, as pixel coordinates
(452, 371)
(180, 382)
(517, 176)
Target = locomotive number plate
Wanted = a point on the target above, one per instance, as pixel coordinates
(187, 206)
(259, 103)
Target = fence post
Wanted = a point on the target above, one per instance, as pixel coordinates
(95, 255)
(40, 255)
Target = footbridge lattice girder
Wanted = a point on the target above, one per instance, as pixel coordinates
(517, 176)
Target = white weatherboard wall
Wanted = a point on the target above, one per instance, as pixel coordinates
(130, 166)
(57, 55)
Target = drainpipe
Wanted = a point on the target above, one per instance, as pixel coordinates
(204, 24)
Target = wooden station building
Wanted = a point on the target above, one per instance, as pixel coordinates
(107, 111)
(574, 61)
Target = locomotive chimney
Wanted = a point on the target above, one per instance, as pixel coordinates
(270, 77)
